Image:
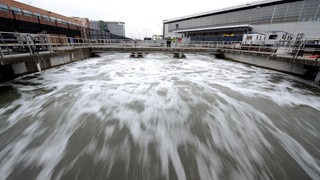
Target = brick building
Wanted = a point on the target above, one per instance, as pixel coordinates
(20, 17)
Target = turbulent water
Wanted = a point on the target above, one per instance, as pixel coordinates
(159, 118)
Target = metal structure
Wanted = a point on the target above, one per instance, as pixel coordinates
(22, 53)
(21, 43)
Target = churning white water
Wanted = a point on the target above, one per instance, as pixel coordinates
(159, 118)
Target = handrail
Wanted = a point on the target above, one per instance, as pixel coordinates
(13, 43)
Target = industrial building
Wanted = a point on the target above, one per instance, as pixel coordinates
(113, 27)
(229, 24)
(20, 17)
(24, 18)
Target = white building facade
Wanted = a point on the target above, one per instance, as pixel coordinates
(229, 24)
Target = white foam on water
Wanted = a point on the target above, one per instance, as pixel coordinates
(161, 102)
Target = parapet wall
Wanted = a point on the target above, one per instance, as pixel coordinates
(21, 65)
(309, 69)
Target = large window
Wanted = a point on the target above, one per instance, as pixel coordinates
(36, 15)
(4, 7)
(53, 19)
(16, 10)
(45, 17)
(27, 13)
(59, 20)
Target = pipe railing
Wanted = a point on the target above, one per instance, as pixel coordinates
(15, 43)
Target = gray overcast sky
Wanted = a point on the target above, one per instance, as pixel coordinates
(141, 17)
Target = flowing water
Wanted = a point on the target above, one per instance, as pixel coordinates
(159, 118)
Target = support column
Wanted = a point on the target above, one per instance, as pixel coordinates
(136, 55)
(178, 55)
(6, 73)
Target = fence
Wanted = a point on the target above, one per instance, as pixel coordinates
(17, 43)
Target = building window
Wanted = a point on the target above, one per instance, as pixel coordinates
(16, 10)
(59, 20)
(177, 26)
(273, 36)
(27, 13)
(53, 19)
(45, 17)
(36, 15)
(4, 8)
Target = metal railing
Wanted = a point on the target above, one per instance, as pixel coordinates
(17, 43)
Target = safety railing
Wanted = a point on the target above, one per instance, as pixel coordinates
(17, 43)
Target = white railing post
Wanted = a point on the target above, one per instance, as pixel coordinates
(48, 42)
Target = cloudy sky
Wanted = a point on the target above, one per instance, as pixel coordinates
(141, 17)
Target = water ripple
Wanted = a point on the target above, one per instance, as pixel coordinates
(159, 118)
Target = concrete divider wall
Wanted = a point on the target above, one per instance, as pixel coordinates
(16, 66)
(308, 69)
(267, 61)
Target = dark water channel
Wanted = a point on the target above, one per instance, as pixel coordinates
(159, 118)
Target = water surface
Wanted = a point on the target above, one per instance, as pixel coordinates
(159, 118)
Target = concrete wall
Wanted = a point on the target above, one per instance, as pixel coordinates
(21, 65)
(269, 62)
(305, 68)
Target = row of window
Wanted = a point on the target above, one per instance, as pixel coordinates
(5, 8)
